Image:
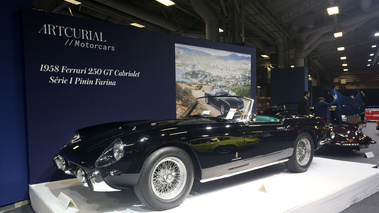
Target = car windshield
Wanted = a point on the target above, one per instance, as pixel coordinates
(226, 107)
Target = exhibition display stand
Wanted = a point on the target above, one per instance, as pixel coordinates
(328, 186)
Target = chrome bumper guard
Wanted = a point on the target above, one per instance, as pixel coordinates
(97, 183)
(93, 180)
(325, 141)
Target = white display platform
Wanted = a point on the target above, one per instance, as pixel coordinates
(328, 186)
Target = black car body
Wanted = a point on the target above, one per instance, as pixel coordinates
(223, 101)
(160, 159)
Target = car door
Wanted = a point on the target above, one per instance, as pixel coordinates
(217, 147)
(266, 141)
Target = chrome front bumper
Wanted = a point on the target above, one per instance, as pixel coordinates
(92, 180)
(325, 141)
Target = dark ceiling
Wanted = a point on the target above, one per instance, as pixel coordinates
(287, 30)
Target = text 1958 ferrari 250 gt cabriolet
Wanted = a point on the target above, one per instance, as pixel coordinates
(161, 159)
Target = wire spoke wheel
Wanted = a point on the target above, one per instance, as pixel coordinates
(168, 178)
(302, 155)
(303, 151)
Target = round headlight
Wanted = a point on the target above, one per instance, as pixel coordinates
(113, 153)
(118, 150)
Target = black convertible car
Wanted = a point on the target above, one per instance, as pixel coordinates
(161, 159)
(223, 101)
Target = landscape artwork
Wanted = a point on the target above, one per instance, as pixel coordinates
(204, 71)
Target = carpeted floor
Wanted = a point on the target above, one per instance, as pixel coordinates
(370, 204)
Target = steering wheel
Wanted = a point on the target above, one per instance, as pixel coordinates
(243, 116)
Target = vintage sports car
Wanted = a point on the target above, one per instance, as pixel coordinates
(340, 132)
(223, 100)
(346, 136)
(161, 159)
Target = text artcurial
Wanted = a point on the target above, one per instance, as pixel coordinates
(72, 32)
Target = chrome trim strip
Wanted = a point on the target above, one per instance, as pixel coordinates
(179, 133)
(277, 124)
(244, 171)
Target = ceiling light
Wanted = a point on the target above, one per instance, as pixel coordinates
(340, 48)
(73, 2)
(344, 65)
(333, 10)
(265, 56)
(337, 34)
(292, 66)
(345, 70)
(368, 65)
(137, 25)
(372, 54)
(166, 2)
(370, 59)
(220, 30)
(343, 57)
(376, 34)
(373, 46)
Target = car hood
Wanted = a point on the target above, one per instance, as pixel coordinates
(93, 140)
(128, 127)
(90, 131)
(90, 142)
(348, 132)
(345, 129)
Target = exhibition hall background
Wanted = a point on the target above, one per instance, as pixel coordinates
(50, 85)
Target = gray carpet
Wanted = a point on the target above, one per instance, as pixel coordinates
(370, 204)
